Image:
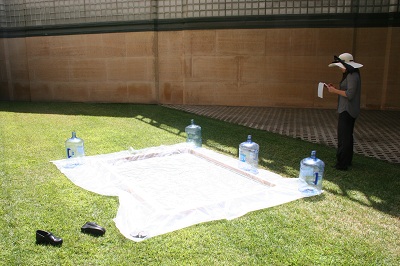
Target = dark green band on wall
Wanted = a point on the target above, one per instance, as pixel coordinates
(241, 22)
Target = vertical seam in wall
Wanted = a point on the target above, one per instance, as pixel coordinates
(184, 66)
(27, 68)
(156, 67)
(386, 67)
(8, 70)
(155, 50)
(187, 65)
(239, 71)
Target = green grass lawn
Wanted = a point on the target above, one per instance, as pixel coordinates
(354, 222)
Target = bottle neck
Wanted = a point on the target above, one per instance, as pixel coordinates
(314, 155)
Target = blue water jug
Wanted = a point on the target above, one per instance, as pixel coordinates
(248, 155)
(193, 132)
(311, 174)
(74, 147)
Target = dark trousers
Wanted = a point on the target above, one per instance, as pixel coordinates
(345, 129)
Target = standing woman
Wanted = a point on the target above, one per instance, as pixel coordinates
(349, 94)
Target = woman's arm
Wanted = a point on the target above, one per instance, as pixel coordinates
(332, 89)
(352, 85)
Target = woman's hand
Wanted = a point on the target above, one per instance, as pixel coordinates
(331, 88)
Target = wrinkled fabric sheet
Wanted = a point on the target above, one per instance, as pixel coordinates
(166, 188)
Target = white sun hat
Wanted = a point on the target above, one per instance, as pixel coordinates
(346, 58)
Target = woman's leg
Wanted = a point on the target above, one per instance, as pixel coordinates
(344, 153)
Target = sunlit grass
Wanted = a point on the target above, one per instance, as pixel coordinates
(354, 222)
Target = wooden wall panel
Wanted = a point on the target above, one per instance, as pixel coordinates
(245, 67)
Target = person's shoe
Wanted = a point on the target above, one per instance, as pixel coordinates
(93, 229)
(43, 237)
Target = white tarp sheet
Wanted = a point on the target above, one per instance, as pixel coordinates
(167, 188)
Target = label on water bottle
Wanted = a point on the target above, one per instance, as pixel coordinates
(242, 157)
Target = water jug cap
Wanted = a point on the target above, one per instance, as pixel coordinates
(249, 138)
(314, 155)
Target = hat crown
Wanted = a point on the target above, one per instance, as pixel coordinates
(346, 57)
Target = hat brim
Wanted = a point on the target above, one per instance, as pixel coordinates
(353, 64)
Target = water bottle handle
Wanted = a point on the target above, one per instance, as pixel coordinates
(316, 179)
(68, 154)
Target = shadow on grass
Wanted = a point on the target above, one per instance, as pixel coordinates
(370, 182)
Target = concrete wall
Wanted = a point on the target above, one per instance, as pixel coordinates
(115, 67)
(237, 67)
